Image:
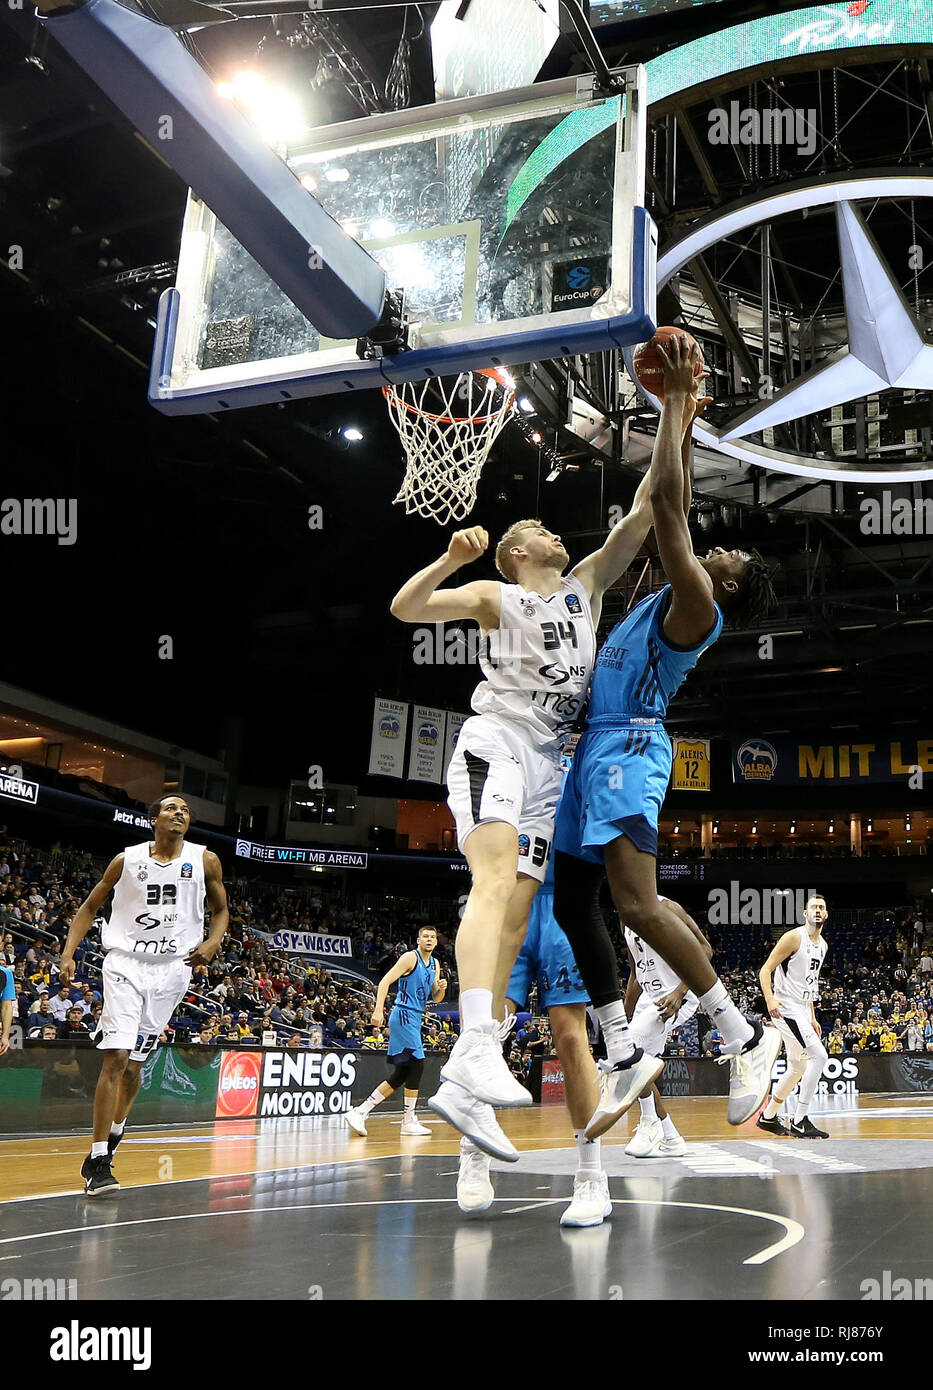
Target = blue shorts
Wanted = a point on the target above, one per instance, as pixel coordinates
(404, 1035)
(616, 786)
(546, 957)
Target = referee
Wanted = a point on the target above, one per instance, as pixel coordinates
(7, 998)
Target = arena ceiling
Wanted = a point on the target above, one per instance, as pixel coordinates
(198, 527)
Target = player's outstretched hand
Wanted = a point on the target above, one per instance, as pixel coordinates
(468, 545)
(679, 363)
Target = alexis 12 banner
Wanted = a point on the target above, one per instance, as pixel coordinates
(825, 758)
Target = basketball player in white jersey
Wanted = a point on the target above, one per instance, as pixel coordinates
(153, 939)
(795, 965)
(505, 776)
(657, 1002)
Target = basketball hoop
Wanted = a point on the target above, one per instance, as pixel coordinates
(447, 427)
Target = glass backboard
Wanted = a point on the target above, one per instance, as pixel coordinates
(514, 223)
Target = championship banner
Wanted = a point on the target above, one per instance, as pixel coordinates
(455, 723)
(691, 765)
(824, 759)
(390, 729)
(306, 943)
(426, 759)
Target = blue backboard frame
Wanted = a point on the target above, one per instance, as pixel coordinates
(625, 314)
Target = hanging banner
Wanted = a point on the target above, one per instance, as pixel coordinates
(306, 943)
(691, 765)
(455, 723)
(823, 759)
(426, 759)
(390, 729)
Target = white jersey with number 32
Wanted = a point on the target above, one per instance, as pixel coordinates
(158, 909)
(538, 662)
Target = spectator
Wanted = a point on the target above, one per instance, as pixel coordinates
(61, 1003)
(73, 1026)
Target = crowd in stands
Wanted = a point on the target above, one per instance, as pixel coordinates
(877, 991)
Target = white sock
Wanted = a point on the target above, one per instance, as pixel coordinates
(772, 1108)
(670, 1129)
(99, 1150)
(725, 1016)
(371, 1102)
(619, 1045)
(410, 1107)
(588, 1159)
(648, 1108)
(475, 1008)
(117, 1127)
(800, 1114)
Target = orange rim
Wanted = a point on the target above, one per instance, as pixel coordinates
(457, 419)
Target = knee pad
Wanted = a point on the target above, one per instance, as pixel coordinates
(397, 1076)
(415, 1071)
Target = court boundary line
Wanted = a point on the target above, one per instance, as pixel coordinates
(794, 1232)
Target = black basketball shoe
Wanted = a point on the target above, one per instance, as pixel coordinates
(806, 1130)
(775, 1126)
(98, 1177)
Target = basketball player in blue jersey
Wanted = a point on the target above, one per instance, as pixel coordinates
(609, 810)
(505, 775)
(419, 979)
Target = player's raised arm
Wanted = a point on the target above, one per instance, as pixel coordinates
(783, 950)
(600, 570)
(692, 612)
(419, 601)
(83, 919)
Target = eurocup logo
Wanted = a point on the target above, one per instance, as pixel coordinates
(389, 727)
(757, 760)
(579, 277)
(524, 844)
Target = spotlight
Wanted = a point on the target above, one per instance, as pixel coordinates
(309, 182)
(352, 434)
(336, 175)
(536, 438)
(526, 405)
(382, 227)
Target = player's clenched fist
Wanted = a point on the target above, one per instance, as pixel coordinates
(467, 545)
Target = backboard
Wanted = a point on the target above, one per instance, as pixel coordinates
(514, 223)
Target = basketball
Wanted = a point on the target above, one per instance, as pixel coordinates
(648, 366)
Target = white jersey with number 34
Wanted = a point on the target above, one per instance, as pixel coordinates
(538, 662)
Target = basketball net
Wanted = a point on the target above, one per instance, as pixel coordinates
(447, 427)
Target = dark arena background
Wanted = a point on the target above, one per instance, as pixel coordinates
(199, 559)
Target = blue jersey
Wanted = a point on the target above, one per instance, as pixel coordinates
(638, 669)
(7, 988)
(414, 991)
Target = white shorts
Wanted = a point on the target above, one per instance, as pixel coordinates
(139, 999)
(796, 1028)
(495, 775)
(649, 1030)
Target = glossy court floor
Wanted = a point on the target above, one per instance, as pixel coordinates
(298, 1209)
